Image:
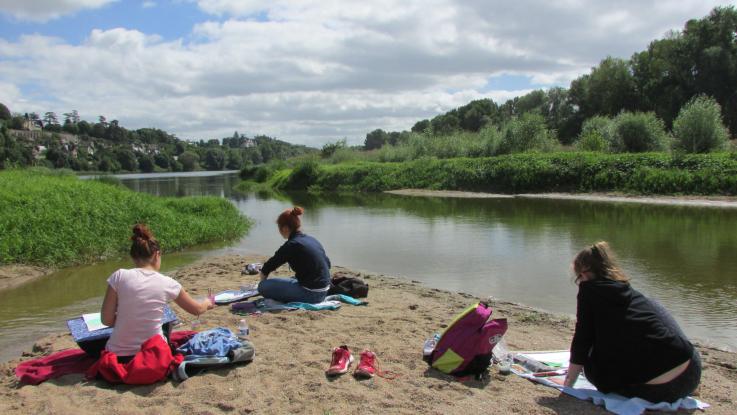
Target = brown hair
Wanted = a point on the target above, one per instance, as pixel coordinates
(598, 259)
(144, 244)
(290, 219)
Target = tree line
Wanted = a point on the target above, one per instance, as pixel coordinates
(108, 147)
(697, 62)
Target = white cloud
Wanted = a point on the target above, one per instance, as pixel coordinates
(148, 4)
(315, 71)
(45, 10)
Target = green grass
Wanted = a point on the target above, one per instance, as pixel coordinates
(648, 173)
(55, 219)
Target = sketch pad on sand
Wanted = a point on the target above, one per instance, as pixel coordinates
(232, 296)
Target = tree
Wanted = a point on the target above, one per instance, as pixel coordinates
(127, 159)
(35, 119)
(234, 160)
(146, 163)
(214, 159)
(699, 127)
(375, 139)
(4, 112)
(71, 117)
(637, 132)
(162, 160)
(330, 148)
(609, 89)
(189, 161)
(526, 133)
(421, 126)
(597, 134)
(50, 119)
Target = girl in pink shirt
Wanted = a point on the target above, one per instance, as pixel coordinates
(135, 298)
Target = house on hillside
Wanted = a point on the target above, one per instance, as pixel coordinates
(248, 142)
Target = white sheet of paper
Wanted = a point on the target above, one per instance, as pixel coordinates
(562, 357)
(93, 321)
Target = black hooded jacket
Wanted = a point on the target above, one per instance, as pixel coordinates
(624, 337)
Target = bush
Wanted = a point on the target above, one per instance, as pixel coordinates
(526, 133)
(638, 132)
(699, 127)
(658, 173)
(37, 227)
(303, 175)
(596, 134)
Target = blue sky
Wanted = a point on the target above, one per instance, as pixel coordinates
(312, 71)
(171, 20)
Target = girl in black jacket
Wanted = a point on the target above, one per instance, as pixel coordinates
(625, 342)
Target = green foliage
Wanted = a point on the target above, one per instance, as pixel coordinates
(330, 148)
(646, 173)
(189, 160)
(526, 133)
(37, 226)
(4, 112)
(146, 163)
(699, 127)
(258, 174)
(375, 139)
(596, 134)
(214, 159)
(303, 175)
(127, 160)
(638, 132)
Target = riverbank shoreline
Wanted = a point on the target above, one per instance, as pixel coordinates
(14, 275)
(727, 202)
(293, 350)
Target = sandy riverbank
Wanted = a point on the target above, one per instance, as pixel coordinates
(694, 201)
(293, 350)
(14, 275)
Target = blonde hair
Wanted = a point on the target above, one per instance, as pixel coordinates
(599, 259)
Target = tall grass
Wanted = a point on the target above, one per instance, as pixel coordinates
(59, 220)
(644, 173)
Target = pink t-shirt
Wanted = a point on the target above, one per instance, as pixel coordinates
(142, 295)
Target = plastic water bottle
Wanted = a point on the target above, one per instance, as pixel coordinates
(430, 344)
(243, 328)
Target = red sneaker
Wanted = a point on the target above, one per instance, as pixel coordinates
(367, 366)
(342, 359)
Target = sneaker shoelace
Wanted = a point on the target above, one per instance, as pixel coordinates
(385, 374)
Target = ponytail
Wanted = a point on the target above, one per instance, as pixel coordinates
(290, 219)
(144, 246)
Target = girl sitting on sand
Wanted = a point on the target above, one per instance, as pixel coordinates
(135, 298)
(305, 256)
(625, 342)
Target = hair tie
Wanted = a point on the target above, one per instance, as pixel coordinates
(595, 251)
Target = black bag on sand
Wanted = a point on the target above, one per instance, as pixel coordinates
(349, 286)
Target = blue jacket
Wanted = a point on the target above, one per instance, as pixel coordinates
(307, 259)
(215, 342)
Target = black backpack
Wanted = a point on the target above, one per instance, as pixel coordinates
(350, 286)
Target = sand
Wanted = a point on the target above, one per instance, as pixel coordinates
(724, 202)
(14, 275)
(293, 349)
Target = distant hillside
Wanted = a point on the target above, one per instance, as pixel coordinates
(29, 140)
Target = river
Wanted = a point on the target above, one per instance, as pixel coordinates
(513, 249)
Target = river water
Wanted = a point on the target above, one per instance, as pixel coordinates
(513, 249)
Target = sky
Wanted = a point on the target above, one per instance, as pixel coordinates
(308, 71)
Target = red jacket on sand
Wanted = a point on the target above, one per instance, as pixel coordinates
(151, 364)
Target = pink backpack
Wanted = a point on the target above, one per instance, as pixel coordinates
(465, 347)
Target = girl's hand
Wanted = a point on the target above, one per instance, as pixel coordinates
(209, 305)
(573, 371)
